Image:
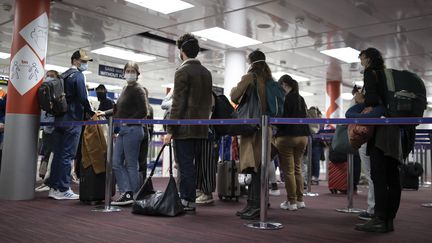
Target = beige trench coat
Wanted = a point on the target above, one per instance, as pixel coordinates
(250, 146)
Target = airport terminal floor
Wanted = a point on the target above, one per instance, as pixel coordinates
(48, 220)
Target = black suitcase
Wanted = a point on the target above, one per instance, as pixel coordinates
(92, 186)
(227, 180)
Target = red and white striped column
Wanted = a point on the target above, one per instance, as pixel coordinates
(28, 54)
(333, 91)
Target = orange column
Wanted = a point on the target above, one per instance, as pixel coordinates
(28, 54)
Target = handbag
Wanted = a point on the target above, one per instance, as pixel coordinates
(340, 141)
(359, 134)
(249, 107)
(157, 203)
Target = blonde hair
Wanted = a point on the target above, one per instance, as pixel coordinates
(133, 65)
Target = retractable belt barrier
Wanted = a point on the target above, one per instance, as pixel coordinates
(265, 122)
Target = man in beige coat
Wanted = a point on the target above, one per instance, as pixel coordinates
(192, 99)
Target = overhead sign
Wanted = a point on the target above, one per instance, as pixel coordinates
(4, 80)
(112, 72)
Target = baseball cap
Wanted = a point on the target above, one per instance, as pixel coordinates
(81, 54)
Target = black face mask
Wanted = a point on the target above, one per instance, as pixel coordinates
(101, 95)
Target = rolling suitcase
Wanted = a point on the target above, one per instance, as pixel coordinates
(92, 186)
(227, 180)
(338, 177)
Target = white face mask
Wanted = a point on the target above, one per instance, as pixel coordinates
(130, 77)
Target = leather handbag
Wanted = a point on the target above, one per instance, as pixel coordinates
(249, 107)
(340, 141)
(157, 203)
(359, 134)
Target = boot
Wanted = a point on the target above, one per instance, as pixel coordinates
(252, 213)
(374, 225)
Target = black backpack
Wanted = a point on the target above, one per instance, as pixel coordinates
(406, 94)
(52, 97)
(222, 110)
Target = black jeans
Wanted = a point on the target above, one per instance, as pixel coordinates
(385, 176)
(186, 153)
(254, 193)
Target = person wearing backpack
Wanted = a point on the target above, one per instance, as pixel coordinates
(291, 142)
(67, 137)
(384, 148)
(250, 145)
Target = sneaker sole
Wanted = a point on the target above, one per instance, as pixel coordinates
(122, 203)
(205, 202)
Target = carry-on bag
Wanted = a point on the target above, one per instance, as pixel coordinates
(227, 180)
(157, 203)
(338, 177)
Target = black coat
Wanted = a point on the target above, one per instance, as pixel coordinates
(294, 107)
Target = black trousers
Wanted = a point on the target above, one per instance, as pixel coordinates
(254, 192)
(387, 187)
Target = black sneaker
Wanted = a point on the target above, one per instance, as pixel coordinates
(188, 206)
(125, 199)
(365, 216)
(374, 225)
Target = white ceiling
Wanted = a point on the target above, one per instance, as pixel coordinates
(297, 31)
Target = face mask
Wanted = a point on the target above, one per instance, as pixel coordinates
(83, 67)
(130, 77)
(101, 95)
(49, 79)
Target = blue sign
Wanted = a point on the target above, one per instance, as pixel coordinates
(111, 72)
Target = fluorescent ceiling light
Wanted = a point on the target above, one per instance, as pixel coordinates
(170, 85)
(347, 96)
(163, 6)
(4, 55)
(87, 72)
(429, 99)
(303, 93)
(226, 37)
(123, 54)
(92, 85)
(346, 54)
(298, 78)
(57, 68)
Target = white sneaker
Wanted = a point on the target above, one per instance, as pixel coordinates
(67, 195)
(274, 192)
(287, 206)
(42, 188)
(205, 199)
(52, 192)
(301, 205)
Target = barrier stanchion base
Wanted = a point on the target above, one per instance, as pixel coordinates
(264, 225)
(427, 205)
(428, 183)
(109, 209)
(310, 194)
(350, 210)
(425, 186)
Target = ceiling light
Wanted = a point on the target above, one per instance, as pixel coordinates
(304, 93)
(123, 54)
(298, 78)
(347, 96)
(57, 68)
(428, 73)
(163, 6)
(429, 99)
(87, 72)
(226, 37)
(346, 54)
(4, 55)
(169, 86)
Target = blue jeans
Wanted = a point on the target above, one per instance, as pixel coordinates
(186, 151)
(355, 111)
(65, 148)
(125, 158)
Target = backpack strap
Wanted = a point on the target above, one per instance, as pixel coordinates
(389, 80)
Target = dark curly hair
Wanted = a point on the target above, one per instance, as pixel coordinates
(375, 57)
(189, 45)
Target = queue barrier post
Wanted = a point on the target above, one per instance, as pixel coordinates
(350, 208)
(106, 208)
(263, 224)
